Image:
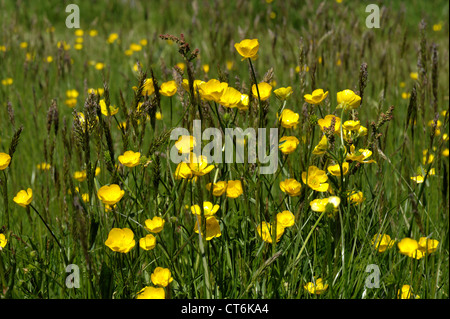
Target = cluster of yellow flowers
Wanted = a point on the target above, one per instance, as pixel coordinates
(122, 240)
(407, 246)
(283, 220)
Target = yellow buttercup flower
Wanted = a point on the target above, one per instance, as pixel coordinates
(335, 170)
(288, 144)
(99, 66)
(151, 293)
(183, 171)
(3, 241)
(427, 159)
(243, 103)
(199, 165)
(316, 288)
(148, 242)
(230, 97)
(291, 187)
(316, 97)
(148, 87)
(382, 242)
(80, 175)
(362, 131)
(98, 91)
(181, 65)
(348, 100)
(264, 90)
(353, 129)
(406, 95)
(71, 102)
(329, 205)
(168, 88)
(283, 93)
(351, 125)
(437, 27)
(112, 37)
(418, 179)
(316, 179)
(212, 90)
(285, 219)
(361, 156)
(212, 227)
(73, 94)
(209, 209)
(24, 198)
(161, 277)
(219, 188)
(234, 189)
(410, 247)
(111, 194)
(155, 225)
(185, 144)
(248, 48)
(196, 85)
(5, 159)
(130, 158)
(85, 197)
(356, 198)
(63, 45)
(428, 245)
(326, 123)
(135, 47)
(7, 81)
(43, 166)
(264, 230)
(108, 111)
(322, 147)
(120, 240)
(406, 293)
(414, 75)
(288, 118)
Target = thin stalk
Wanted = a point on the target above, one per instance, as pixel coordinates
(307, 238)
(63, 251)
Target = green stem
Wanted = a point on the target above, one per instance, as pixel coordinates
(257, 91)
(2, 272)
(201, 224)
(5, 199)
(63, 251)
(307, 238)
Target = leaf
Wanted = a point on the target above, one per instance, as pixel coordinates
(93, 229)
(106, 282)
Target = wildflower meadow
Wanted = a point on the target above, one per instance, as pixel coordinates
(238, 150)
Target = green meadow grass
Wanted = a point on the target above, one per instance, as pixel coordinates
(238, 264)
